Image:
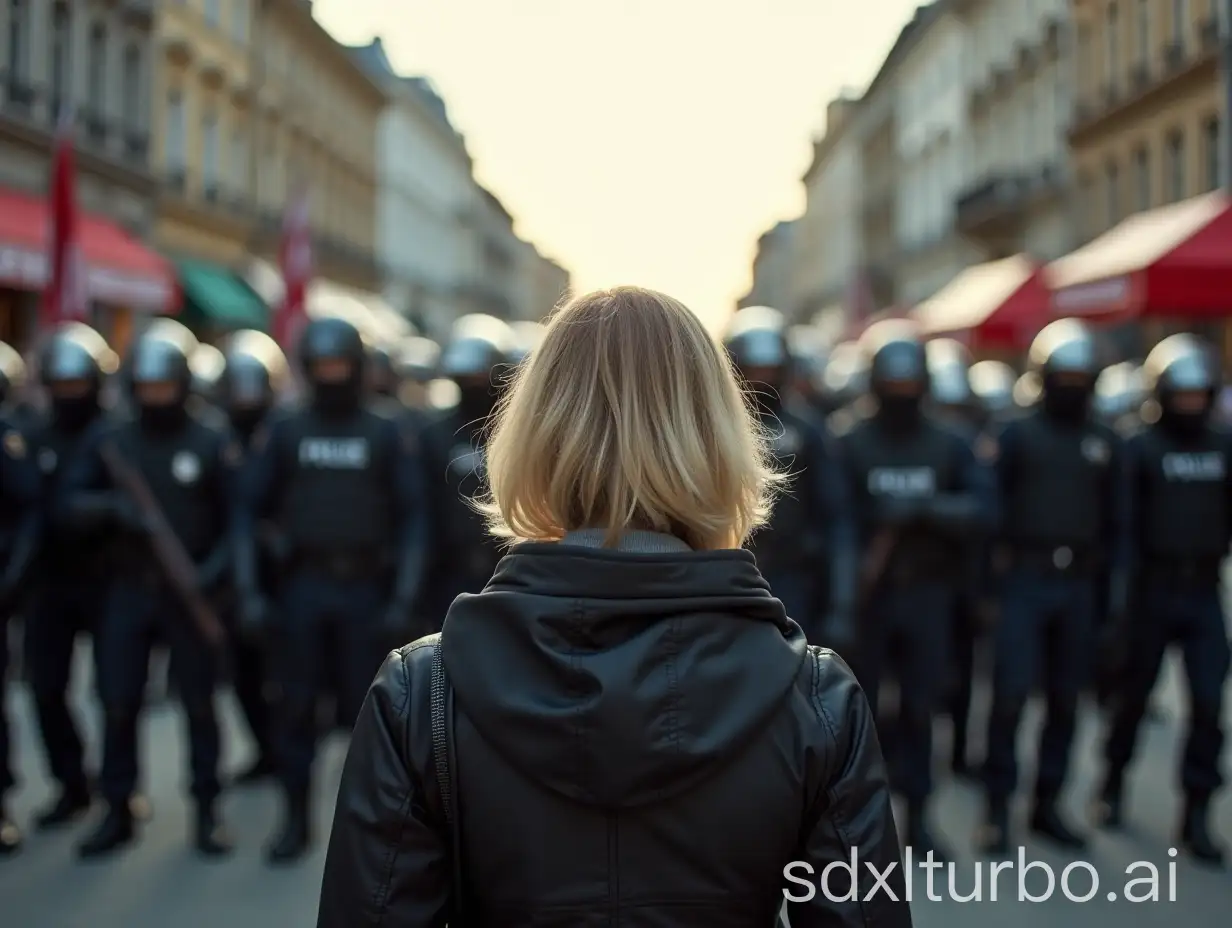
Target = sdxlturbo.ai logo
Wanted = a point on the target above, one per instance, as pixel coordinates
(1079, 881)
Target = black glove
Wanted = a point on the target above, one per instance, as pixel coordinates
(254, 615)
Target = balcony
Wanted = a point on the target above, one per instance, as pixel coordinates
(96, 128)
(176, 181)
(137, 146)
(20, 97)
(998, 205)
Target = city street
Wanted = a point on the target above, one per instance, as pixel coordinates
(159, 883)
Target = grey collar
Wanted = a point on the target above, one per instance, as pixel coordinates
(636, 541)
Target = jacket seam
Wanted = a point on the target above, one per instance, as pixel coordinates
(380, 892)
(833, 810)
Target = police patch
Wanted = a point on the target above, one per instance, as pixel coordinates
(14, 445)
(185, 467)
(987, 449)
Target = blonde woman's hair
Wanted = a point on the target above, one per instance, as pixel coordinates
(627, 416)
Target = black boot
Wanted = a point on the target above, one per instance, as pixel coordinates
(260, 769)
(294, 836)
(10, 834)
(993, 838)
(113, 832)
(1195, 833)
(1046, 822)
(919, 837)
(1107, 810)
(210, 838)
(72, 803)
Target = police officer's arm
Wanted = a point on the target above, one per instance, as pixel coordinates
(255, 486)
(412, 515)
(86, 499)
(972, 508)
(844, 532)
(21, 483)
(221, 487)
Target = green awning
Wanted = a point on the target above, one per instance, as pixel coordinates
(215, 297)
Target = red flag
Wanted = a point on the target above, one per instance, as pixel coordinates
(65, 297)
(295, 258)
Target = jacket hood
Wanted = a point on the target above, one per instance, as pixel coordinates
(618, 679)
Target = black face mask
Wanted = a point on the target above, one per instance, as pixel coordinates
(1184, 424)
(1067, 403)
(475, 402)
(336, 399)
(74, 413)
(163, 419)
(246, 420)
(899, 412)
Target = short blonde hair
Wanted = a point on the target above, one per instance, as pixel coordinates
(626, 416)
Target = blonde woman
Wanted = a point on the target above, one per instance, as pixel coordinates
(632, 729)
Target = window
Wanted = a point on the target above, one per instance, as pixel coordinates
(209, 150)
(1112, 181)
(213, 13)
(1144, 32)
(17, 50)
(1112, 59)
(96, 67)
(1180, 17)
(1142, 178)
(1082, 60)
(1211, 140)
(176, 130)
(1175, 189)
(239, 160)
(134, 105)
(61, 49)
(241, 13)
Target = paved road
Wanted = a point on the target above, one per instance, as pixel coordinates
(160, 883)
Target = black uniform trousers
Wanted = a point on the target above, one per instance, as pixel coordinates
(1046, 616)
(58, 613)
(248, 682)
(140, 611)
(905, 631)
(323, 622)
(1189, 615)
(7, 779)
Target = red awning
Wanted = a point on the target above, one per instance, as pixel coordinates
(999, 305)
(120, 270)
(1175, 261)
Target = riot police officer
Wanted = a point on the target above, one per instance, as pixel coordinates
(1182, 500)
(384, 377)
(792, 551)
(807, 350)
(162, 468)
(465, 554)
(1060, 479)
(992, 389)
(417, 362)
(207, 365)
(71, 579)
(343, 487)
(920, 496)
(252, 381)
(20, 521)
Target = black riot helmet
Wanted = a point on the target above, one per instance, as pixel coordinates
(383, 375)
(992, 387)
(949, 375)
(72, 366)
(12, 371)
(897, 370)
(1181, 374)
(207, 365)
(845, 378)
(160, 377)
(1065, 360)
(479, 347)
(756, 339)
(255, 373)
(333, 355)
(418, 360)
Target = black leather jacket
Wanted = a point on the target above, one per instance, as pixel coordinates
(641, 739)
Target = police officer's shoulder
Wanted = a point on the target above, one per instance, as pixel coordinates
(1108, 433)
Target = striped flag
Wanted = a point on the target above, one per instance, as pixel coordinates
(65, 297)
(295, 259)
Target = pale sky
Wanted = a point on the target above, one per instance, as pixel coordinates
(637, 141)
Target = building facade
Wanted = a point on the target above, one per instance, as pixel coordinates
(1147, 115)
(91, 60)
(1017, 187)
(827, 252)
(542, 283)
(931, 144)
(772, 269)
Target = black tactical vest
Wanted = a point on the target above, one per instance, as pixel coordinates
(1181, 495)
(1060, 484)
(52, 448)
(337, 482)
(919, 465)
(182, 472)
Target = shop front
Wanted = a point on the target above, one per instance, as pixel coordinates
(995, 309)
(1157, 272)
(123, 276)
(217, 301)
